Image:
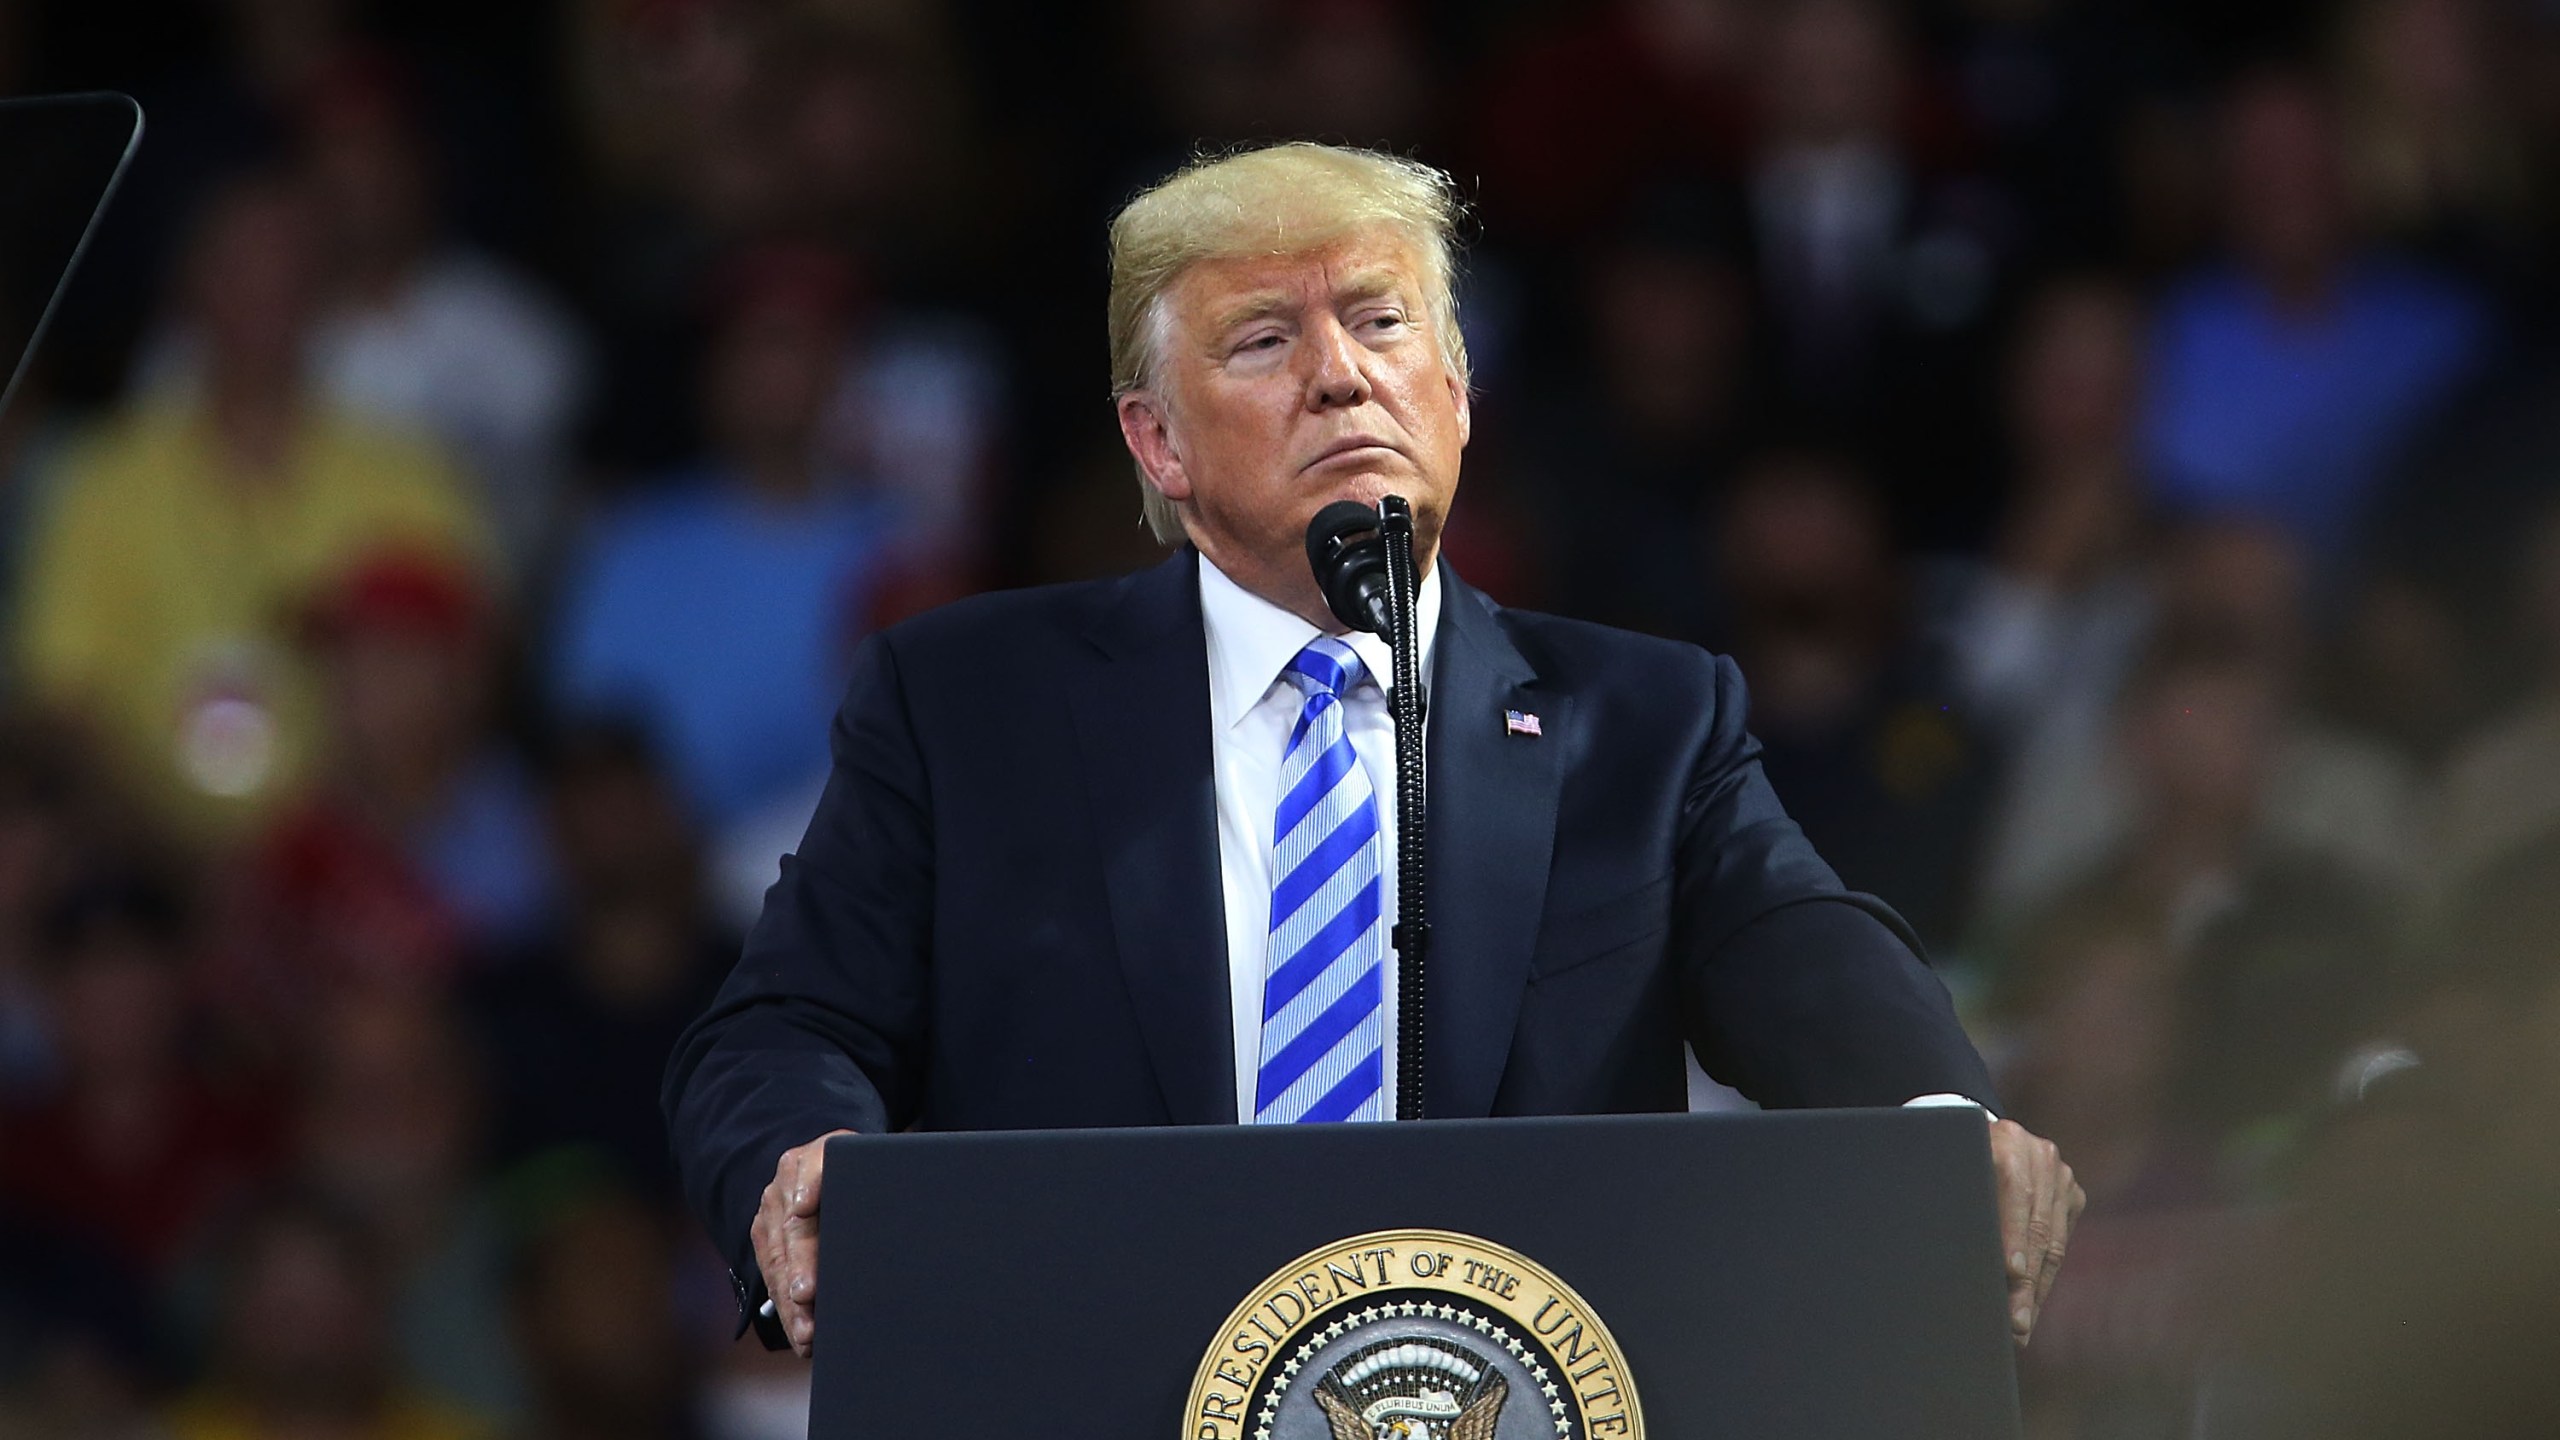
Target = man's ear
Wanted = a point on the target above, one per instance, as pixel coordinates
(1148, 433)
(1465, 406)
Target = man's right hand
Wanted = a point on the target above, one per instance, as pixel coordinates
(786, 1238)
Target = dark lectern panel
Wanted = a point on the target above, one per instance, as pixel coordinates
(1818, 1274)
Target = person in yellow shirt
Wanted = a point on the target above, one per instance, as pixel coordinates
(180, 540)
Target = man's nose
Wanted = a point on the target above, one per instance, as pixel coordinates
(1339, 375)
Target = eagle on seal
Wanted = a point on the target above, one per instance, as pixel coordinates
(1476, 1422)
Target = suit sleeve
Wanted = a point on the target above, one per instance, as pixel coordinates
(1799, 991)
(822, 1024)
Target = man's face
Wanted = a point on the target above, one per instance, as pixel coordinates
(1285, 383)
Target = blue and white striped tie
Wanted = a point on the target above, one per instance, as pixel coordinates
(1324, 980)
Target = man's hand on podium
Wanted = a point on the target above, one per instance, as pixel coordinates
(786, 1238)
(2038, 1203)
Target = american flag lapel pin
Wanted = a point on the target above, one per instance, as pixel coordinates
(1520, 722)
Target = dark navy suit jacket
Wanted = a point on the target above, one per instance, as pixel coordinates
(1007, 910)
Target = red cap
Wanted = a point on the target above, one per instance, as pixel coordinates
(402, 592)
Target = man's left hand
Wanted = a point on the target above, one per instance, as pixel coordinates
(2038, 1203)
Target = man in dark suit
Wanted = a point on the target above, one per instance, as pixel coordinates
(1112, 854)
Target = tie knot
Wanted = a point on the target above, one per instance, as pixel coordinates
(1326, 667)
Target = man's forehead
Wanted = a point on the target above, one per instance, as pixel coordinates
(1224, 290)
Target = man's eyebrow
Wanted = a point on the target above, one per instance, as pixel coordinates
(1370, 284)
(1249, 308)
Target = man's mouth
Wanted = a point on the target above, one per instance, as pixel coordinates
(1351, 447)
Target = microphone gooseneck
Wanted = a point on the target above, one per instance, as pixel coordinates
(1412, 934)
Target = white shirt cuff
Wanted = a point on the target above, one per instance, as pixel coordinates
(1946, 1098)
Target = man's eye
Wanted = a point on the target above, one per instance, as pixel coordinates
(1260, 342)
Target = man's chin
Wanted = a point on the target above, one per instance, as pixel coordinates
(1366, 486)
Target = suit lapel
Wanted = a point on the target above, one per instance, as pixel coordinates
(1492, 832)
(1142, 720)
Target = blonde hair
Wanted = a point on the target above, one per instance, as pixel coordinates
(1282, 199)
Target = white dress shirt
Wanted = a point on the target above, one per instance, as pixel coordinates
(1251, 712)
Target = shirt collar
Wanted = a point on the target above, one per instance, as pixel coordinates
(1252, 640)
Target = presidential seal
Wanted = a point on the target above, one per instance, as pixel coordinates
(1413, 1335)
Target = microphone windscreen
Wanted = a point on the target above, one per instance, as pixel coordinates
(1334, 526)
(1348, 556)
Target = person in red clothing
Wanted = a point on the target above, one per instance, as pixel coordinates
(419, 849)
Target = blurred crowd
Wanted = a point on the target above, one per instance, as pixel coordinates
(2119, 442)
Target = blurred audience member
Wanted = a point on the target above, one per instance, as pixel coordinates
(2286, 379)
(2501, 789)
(185, 531)
(1859, 742)
(676, 112)
(393, 1134)
(2443, 632)
(1620, 458)
(423, 329)
(2041, 86)
(873, 124)
(719, 613)
(137, 1147)
(915, 413)
(579, 1029)
(411, 326)
(2435, 150)
(594, 1310)
(419, 849)
(303, 1347)
(871, 118)
(1590, 103)
(727, 125)
(2042, 634)
(2232, 595)
(1878, 265)
(53, 826)
(408, 645)
(81, 1336)
(669, 102)
(2280, 953)
(755, 119)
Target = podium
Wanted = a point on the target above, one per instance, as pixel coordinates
(1831, 1274)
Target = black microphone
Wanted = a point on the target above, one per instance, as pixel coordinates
(1348, 553)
